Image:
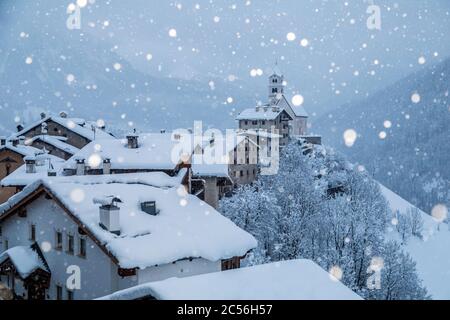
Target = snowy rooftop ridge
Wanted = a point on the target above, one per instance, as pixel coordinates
(286, 280)
(185, 227)
(260, 113)
(79, 126)
(56, 141)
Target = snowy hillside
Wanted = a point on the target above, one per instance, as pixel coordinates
(430, 253)
(402, 135)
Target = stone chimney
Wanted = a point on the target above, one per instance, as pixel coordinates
(63, 114)
(30, 163)
(109, 214)
(15, 141)
(19, 127)
(81, 166)
(133, 140)
(106, 166)
(2, 141)
(43, 115)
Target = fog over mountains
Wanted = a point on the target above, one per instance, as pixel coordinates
(403, 143)
(167, 82)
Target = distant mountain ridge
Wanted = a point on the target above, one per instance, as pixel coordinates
(413, 159)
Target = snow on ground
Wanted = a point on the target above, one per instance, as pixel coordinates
(286, 280)
(431, 254)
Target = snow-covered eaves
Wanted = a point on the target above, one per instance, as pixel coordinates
(185, 227)
(21, 149)
(25, 260)
(286, 280)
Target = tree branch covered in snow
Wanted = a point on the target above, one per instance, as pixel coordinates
(319, 207)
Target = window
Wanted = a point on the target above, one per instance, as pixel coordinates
(246, 122)
(242, 173)
(274, 90)
(33, 232)
(254, 123)
(58, 240)
(263, 122)
(69, 295)
(59, 292)
(82, 248)
(70, 244)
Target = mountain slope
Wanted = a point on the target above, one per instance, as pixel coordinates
(413, 158)
(430, 253)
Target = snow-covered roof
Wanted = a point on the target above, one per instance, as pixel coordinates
(258, 132)
(260, 113)
(25, 260)
(299, 111)
(79, 126)
(21, 149)
(215, 159)
(44, 163)
(286, 280)
(156, 151)
(55, 141)
(185, 227)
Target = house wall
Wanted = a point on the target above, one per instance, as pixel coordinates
(98, 273)
(54, 129)
(9, 162)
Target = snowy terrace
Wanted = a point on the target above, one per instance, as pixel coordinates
(185, 226)
(286, 280)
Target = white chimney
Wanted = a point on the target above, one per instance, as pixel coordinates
(106, 166)
(22, 140)
(132, 139)
(80, 166)
(109, 213)
(30, 163)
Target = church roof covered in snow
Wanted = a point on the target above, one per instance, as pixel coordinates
(286, 280)
(156, 151)
(185, 226)
(260, 113)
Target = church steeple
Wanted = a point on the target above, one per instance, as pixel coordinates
(276, 84)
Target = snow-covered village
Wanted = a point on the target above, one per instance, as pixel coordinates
(218, 150)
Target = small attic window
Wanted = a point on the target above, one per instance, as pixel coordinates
(149, 207)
